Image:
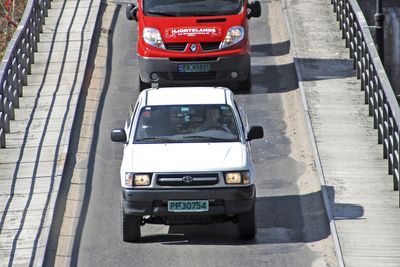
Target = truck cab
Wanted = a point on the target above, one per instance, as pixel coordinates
(197, 42)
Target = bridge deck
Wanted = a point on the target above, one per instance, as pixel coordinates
(32, 163)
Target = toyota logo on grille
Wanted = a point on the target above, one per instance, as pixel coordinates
(193, 48)
(187, 179)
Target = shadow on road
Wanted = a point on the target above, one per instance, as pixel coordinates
(344, 211)
(315, 69)
(272, 50)
(279, 79)
(276, 75)
(280, 219)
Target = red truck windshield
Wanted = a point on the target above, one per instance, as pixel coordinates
(191, 7)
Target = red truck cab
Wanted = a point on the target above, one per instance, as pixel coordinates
(197, 42)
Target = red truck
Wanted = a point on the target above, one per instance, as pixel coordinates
(201, 42)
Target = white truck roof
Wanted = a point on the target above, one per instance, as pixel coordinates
(187, 96)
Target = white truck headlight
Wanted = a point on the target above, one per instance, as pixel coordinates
(237, 177)
(152, 36)
(132, 179)
(234, 35)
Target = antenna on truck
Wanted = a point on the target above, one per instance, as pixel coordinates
(154, 85)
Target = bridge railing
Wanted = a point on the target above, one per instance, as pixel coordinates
(17, 60)
(379, 95)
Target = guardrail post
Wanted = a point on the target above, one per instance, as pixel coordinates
(396, 158)
(2, 138)
(358, 51)
(1, 102)
(28, 52)
(45, 6)
(352, 38)
(390, 143)
(386, 132)
(22, 68)
(5, 120)
(379, 34)
(345, 22)
(39, 18)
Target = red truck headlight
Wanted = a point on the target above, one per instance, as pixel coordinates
(152, 36)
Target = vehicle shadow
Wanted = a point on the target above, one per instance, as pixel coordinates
(315, 69)
(272, 79)
(270, 49)
(280, 219)
(267, 76)
(279, 78)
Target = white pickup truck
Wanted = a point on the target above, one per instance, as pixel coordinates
(187, 160)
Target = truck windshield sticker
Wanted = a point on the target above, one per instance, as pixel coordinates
(193, 31)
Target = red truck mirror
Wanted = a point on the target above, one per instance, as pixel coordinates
(255, 9)
(131, 12)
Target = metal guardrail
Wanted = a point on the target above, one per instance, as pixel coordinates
(17, 60)
(379, 95)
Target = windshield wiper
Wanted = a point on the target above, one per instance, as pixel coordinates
(167, 14)
(207, 137)
(204, 14)
(157, 138)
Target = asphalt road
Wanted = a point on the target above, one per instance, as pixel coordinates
(292, 225)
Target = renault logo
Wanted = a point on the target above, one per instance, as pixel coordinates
(193, 48)
(187, 179)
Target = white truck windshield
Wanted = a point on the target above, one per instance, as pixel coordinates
(189, 123)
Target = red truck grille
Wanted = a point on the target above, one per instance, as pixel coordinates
(206, 46)
(175, 46)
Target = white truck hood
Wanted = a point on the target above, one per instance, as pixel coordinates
(181, 157)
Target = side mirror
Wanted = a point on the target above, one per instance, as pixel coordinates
(131, 12)
(255, 132)
(255, 9)
(118, 135)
